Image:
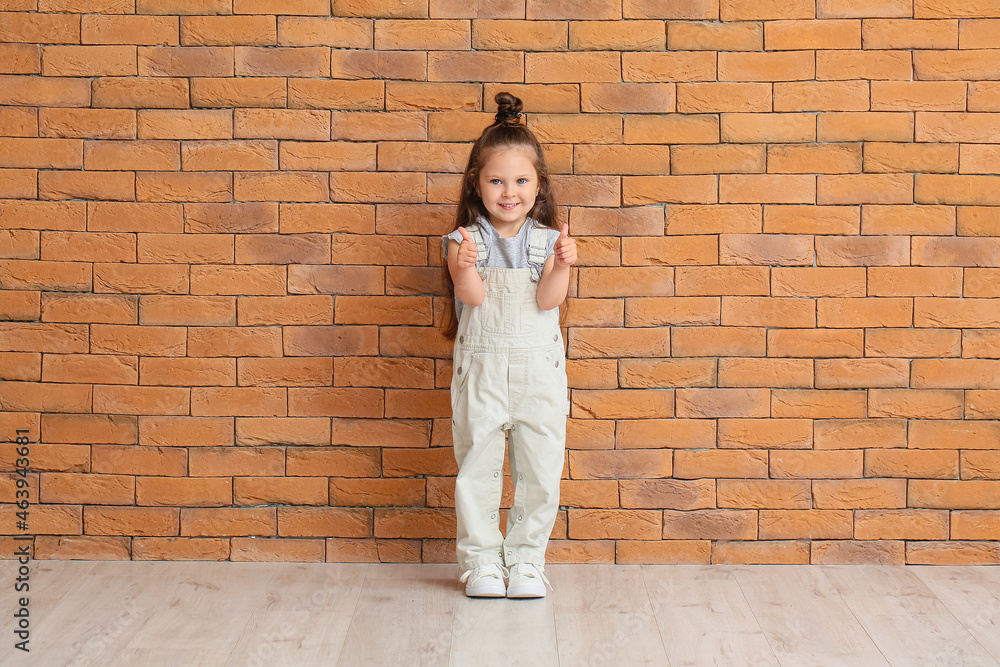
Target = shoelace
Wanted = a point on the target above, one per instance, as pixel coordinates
(528, 570)
(482, 571)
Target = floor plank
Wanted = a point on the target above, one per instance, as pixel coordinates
(211, 614)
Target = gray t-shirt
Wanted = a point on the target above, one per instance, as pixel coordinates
(504, 253)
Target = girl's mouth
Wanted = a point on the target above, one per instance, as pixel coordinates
(508, 207)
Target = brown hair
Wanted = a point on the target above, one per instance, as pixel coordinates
(506, 131)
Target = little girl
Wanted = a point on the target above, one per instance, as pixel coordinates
(508, 265)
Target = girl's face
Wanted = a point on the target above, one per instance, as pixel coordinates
(508, 185)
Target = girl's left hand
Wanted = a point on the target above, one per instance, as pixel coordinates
(565, 249)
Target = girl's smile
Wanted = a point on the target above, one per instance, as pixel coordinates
(508, 185)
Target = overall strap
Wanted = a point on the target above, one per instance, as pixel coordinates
(537, 241)
(482, 251)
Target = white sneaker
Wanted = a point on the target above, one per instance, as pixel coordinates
(526, 581)
(485, 581)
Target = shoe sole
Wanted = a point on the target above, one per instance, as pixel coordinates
(528, 592)
(486, 592)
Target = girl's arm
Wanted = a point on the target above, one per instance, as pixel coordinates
(554, 283)
(462, 265)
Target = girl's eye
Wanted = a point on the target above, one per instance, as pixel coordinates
(495, 181)
(522, 181)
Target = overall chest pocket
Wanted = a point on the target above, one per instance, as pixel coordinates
(503, 313)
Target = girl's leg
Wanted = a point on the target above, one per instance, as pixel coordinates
(537, 446)
(479, 412)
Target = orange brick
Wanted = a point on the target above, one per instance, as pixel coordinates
(980, 465)
(719, 97)
(712, 36)
(242, 401)
(710, 524)
(866, 64)
(700, 403)
(765, 372)
(717, 159)
(948, 434)
(818, 282)
(955, 374)
(688, 129)
(901, 524)
(647, 374)
(762, 552)
(618, 281)
(716, 219)
(642, 190)
(407, 463)
(910, 34)
(915, 404)
(763, 494)
(606, 36)
(974, 525)
(96, 29)
(576, 128)
(765, 433)
(862, 251)
(677, 311)
(867, 312)
(767, 188)
(862, 373)
(827, 159)
(805, 524)
(228, 521)
(768, 66)
(737, 10)
(611, 524)
(48, 91)
(243, 92)
(955, 313)
(912, 343)
(667, 493)
(518, 35)
(769, 128)
(622, 404)
(715, 464)
(655, 433)
(688, 9)
(929, 464)
(283, 249)
(818, 404)
(865, 126)
(919, 96)
(188, 372)
(812, 34)
(56, 487)
(588, 9)
(951, 553)
(716, 281)
(816, 465)
(623, 464)
(764, 311)
(859, 433)
(951, 494)
(766, 249)
(979, 343)
(228, 30)
(978, 34)
(976, 158)
(23, 366)
(906, 220)
(854, 8)
(859, 494)
(719, 341)
(950, 65)
(981, 404)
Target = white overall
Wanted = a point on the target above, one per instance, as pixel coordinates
(509, 375)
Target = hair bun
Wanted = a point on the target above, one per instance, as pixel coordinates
(508, 109)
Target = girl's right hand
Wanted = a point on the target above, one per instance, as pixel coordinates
(467, 251)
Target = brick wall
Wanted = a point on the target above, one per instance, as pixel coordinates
(220, 274)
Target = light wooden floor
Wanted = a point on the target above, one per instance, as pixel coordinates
(199, 613)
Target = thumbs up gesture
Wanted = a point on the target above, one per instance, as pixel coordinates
(565, 249)
(467, 251)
